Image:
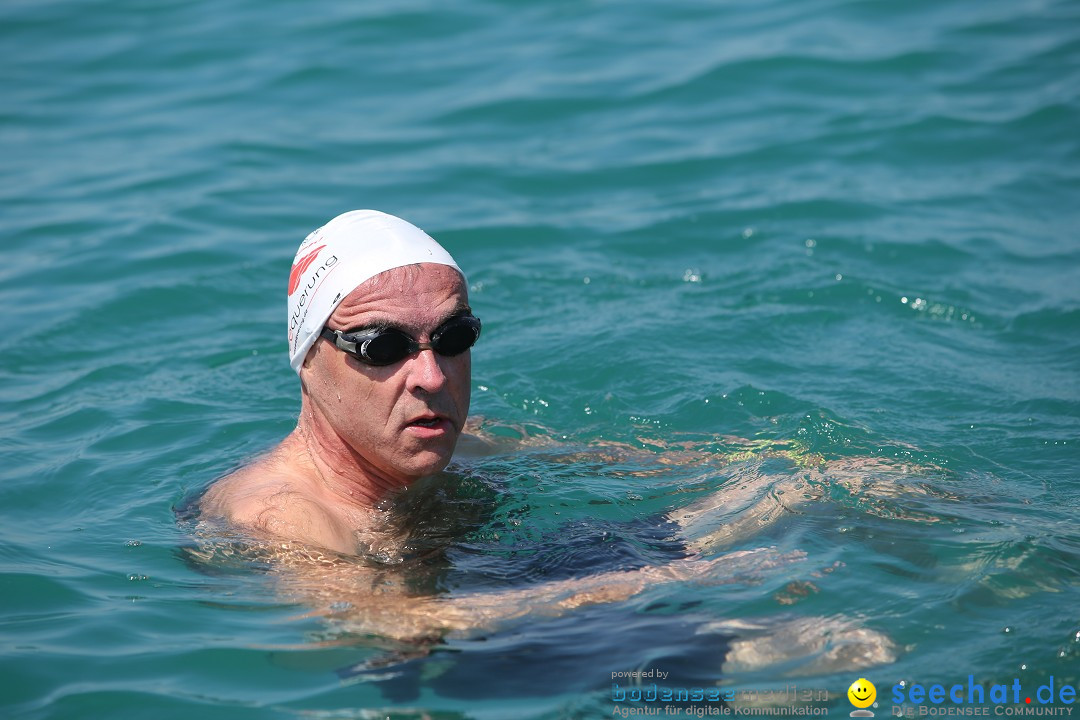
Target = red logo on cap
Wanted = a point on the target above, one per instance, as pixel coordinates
(298, 269)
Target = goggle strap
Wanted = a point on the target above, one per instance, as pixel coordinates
(341, 343)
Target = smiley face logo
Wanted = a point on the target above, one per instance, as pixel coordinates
(862, 693)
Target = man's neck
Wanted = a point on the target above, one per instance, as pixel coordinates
(339, 471)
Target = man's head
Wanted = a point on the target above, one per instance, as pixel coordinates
(397, 414)
(335, 259)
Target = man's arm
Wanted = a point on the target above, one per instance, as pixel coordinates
(764, 480)
(364, 599)
(752, 499)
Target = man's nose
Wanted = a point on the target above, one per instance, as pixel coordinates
(425, 371)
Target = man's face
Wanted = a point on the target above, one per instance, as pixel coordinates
(401, 420)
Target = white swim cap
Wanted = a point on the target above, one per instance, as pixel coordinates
(336, 258)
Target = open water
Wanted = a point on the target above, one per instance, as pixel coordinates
(712, 243)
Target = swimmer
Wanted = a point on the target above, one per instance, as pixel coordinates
(380, 334)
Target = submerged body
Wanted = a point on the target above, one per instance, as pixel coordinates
(394, 586)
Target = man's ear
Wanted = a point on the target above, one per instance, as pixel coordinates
(305, 367)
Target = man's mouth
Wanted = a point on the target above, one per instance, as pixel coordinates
(431, 422)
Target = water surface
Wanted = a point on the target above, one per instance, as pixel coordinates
(791, 230)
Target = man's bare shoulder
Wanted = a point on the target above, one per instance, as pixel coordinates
(268, 499)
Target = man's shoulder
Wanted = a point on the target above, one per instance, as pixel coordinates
(264, 500)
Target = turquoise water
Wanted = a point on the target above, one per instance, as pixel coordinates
(734, 236)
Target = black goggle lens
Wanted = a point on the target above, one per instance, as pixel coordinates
(386, 348)
(456, 336)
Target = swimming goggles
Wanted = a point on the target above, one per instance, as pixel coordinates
(386, 346)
